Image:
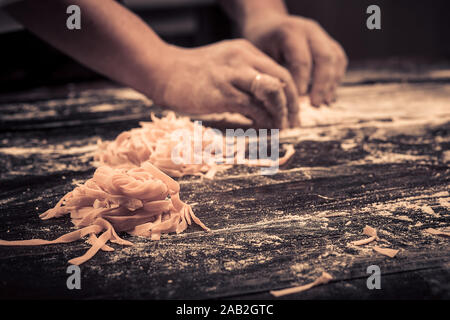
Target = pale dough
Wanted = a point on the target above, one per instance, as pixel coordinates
(323, 279)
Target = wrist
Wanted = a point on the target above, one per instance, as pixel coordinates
(258, 24)
(247, 13)
(154, 77)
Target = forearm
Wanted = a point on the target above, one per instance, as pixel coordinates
(112, 40)
(243, 11)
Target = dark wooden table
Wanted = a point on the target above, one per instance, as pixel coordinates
(389, 170)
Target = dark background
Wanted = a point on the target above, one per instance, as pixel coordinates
(413, 31)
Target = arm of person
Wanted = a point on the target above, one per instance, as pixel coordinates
(215, 78)
(112, 40)
(316, 61)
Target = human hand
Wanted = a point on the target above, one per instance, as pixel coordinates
(229, 76)
(304, 48)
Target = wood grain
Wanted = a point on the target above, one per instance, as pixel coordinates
(269, 232)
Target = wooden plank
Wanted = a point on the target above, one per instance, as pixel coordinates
(269, 232)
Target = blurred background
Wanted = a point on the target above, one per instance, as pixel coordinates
(414, 32)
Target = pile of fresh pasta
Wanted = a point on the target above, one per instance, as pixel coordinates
(131, 191)
(142, 201)
(154, 141)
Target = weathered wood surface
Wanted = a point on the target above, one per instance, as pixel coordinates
(269, 232)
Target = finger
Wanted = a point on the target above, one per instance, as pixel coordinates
(270, 67)
(331, 96)
(321, 83)
(265, 64)
(266, 89)
(342, 61)
(340, 69)
(324, 70)
(244, 104)
(323, 77)
(298, 60)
